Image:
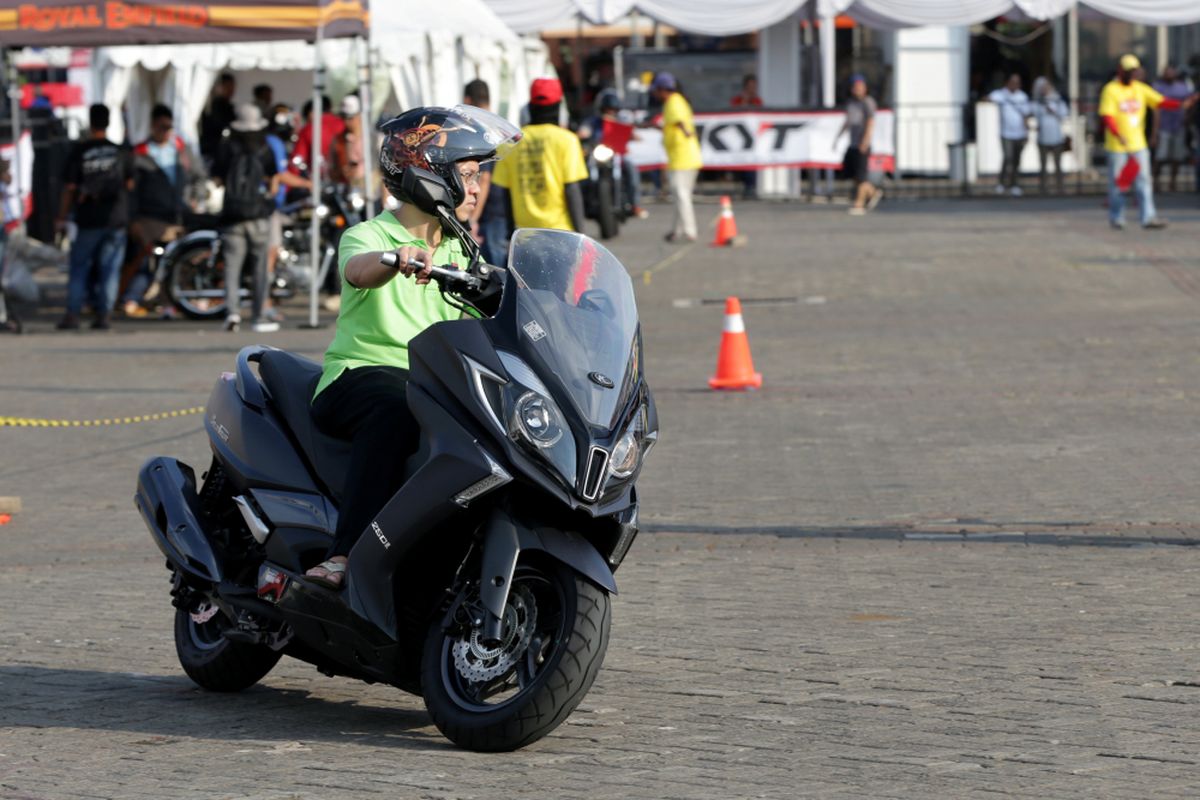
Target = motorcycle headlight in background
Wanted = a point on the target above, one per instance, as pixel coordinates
(357, 201)
(322, 211)
(603, 153)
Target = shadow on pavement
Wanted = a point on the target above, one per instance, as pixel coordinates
(1083, 538)
(169, 706)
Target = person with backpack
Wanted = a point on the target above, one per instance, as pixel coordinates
(96, 188)
(247, 169)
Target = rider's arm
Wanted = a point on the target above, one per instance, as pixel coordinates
(364, 270)
(574, 194)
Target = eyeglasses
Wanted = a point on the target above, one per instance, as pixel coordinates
(469, 177)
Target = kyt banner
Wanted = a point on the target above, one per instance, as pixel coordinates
(759, 139)
(49, 23)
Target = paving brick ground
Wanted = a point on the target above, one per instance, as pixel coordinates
(948, 551)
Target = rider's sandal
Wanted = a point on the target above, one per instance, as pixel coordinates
(326, 576)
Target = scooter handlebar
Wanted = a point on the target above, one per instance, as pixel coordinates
(442, 275)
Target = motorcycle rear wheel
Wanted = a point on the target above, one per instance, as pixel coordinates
(214, 662)
(569, 633)
(196, 287)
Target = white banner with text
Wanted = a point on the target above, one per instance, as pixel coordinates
(762, 139)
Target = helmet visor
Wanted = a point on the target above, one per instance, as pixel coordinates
(490, 137)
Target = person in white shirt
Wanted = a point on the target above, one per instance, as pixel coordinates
(1050, 111)
(1014, 131)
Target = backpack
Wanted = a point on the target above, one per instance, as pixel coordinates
(246, 185)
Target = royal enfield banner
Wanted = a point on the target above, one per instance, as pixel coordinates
(50, 23)
(760, 139)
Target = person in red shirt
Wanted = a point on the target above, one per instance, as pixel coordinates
(749, 94)
(748, 100)
(331, 126)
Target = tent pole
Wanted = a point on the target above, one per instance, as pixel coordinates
(14, 105)
(1162, 50)
(362, 52)
(316, 158)
(1073, 92)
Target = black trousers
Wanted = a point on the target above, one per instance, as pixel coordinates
(368, 407)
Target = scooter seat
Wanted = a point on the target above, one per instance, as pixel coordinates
(290, 380)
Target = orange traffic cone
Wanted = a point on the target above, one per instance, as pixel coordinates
(735, 368)
(727, 234)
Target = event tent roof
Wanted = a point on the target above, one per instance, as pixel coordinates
(51, 23)
(729, 17)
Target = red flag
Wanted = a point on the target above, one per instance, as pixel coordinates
(1128, 174)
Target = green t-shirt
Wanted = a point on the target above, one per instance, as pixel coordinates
(374, 326)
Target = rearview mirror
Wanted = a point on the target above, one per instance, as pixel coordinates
(427, 190)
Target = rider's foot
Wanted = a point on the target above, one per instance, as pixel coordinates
(329, 574)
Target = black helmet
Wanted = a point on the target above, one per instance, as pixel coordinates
(435, 139)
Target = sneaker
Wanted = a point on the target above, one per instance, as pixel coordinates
(233, 322)
(1016, 191)
(1117, 224)
(999, 188)
(101, 323)
(875, 198)
(332, 303)
(856, 211)
(640, 212)
(264, 326)
(1155, 224)
(134, 310)
(69, 322)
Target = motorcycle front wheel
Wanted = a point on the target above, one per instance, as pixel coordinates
(495, 697)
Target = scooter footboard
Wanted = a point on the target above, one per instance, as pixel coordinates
(166, 498)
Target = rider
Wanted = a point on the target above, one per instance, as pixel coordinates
(361, 394)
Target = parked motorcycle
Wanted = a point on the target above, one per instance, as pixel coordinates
(192, 268)
(603, 197)
(484, 583)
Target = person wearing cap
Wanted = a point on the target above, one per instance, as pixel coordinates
(860, 124)
(683, 154)
(1123, 104)
(346, 153)
(247, 169)
(544, 173)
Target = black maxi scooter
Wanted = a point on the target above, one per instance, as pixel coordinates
(484, 584)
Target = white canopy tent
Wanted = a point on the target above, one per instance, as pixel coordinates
(722, 18)
(419, 59)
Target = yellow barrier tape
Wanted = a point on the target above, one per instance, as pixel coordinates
(27, 422)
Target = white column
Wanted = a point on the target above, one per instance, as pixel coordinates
(779, 85)
(316, 158)
(363, 53)
(828, 59)
(1162, 51)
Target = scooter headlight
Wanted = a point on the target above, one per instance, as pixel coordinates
(538, 419)
(625, 456)
(603, 153)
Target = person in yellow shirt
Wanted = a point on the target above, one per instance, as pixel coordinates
(1123, 104)
(543, 173)
(683, 154)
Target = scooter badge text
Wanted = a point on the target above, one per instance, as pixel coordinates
(379, 534)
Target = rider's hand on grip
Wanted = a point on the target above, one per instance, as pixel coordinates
(410, 261)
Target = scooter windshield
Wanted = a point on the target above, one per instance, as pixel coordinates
(578, 318)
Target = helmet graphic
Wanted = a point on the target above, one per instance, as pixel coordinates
(435, 139)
